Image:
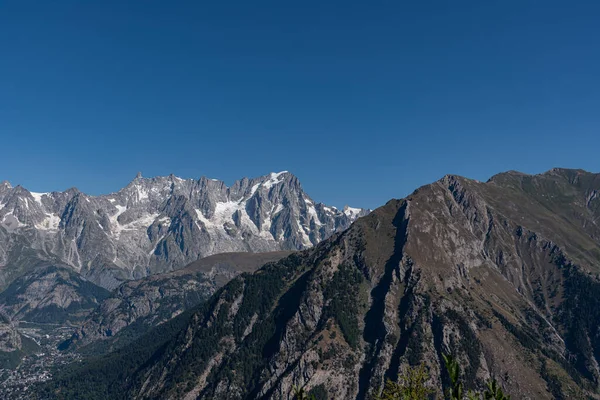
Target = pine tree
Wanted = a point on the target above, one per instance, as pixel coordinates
(410, 386)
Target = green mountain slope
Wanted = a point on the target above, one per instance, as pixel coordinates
(137, 306)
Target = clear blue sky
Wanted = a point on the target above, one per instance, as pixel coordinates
(363, 101)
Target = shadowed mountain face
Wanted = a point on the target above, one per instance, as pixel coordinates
(51, 294)
(503, 274)
(137, 306)
(155, 225)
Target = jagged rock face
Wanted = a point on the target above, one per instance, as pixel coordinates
(137, 306)
(158, 224)
(13, 344)
(50, 295)
(502, 274)
(10, 339)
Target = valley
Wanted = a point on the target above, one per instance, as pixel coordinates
(39, 360)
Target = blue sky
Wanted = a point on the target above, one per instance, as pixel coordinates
(363, 101)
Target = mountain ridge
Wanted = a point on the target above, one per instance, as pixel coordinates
(159, 224)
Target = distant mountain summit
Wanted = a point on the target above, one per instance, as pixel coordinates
(158, 224)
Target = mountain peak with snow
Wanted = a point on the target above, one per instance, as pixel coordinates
(158, 224)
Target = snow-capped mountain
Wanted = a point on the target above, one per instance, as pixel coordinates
(158, 224)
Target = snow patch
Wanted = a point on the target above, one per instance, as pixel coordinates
(254, 188)
(164, 221)
(157, 243)
(302, 230)
(312, 213)
(203, 219)
(137, 225)
(142, 193)
(120, 210)
(50, 223)
(114, 223)
(224, 211)
(273, 179)
(351, 212)
(38, 196)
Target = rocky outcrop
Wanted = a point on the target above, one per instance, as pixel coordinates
(10, 339)
(156, 225)
(13, 344)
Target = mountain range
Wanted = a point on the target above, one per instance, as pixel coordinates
(504, 275)
(156, 225)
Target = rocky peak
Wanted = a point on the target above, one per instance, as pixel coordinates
(4, 187)
(161, 223)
